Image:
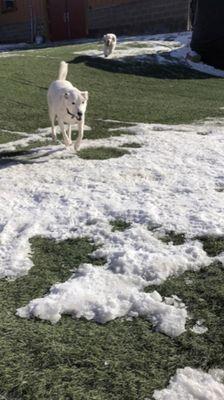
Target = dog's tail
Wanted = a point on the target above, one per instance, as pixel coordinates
(63, 70)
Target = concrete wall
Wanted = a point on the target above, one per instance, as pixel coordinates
(141, 16)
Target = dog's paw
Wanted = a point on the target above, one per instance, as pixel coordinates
(54, 138)
(68, 143)
(71, 147)
(77, 146)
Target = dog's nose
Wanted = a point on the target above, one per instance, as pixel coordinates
(79, 113)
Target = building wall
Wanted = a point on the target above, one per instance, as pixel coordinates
(23, 22)
(119, 16)
(136, 16)
(103, 3)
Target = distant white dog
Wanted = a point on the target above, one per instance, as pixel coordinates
(68, 105)
(110, 41)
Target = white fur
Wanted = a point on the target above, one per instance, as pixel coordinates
(68, 105)
(110, 41)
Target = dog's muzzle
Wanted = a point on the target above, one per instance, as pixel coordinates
(72, 115)
(78, 116)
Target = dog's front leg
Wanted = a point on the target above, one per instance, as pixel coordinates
(63, 131)
(70, 133)
(80, 134)
(53, 132)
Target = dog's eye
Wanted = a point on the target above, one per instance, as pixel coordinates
(83, 102)
(73, 102)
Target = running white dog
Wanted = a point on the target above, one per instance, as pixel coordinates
(68, 105)
(110, 41)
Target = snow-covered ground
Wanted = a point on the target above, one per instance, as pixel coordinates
(170, 183)
(163, 48)
(26, 139)
(192, 384)
(173, 182)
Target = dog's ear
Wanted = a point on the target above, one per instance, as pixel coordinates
(104, 38)
(113, 39)
(85, 95)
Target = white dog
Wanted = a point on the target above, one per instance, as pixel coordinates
(110, 41)
(68, 105)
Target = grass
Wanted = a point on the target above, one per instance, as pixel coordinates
(119, 225)
(105, 129)
(122, 360)
(24, 84)
(6, 137)
(99, 130)
(131, 145)
(79, 360)
(203, 294)
(212, 245)
(101, 153)
(175, 238)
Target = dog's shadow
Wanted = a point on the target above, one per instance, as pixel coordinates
(26, 157)
(151, 67)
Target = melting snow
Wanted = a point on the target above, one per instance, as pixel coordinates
(192, 384)
(41, 135)
(162, 48)
(169, 182)
(96, 293)
(199, 327)
(166, 48)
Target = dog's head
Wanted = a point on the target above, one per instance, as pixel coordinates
(109, 39)
(75, 103)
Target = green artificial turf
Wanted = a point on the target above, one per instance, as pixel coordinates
(101, 153)
(132, 145)
(119, 225)
(121, 360)
(212, 245)
(124, 359)
(161, 93)
(6, 137)
(174, 238)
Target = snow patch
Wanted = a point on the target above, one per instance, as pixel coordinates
(98, 294)
(199, 327)
(41, 135)
(192, 384)
(164, 183)
(166, 49)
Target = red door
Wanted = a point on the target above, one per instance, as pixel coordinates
(67, 19)
(77, 18)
